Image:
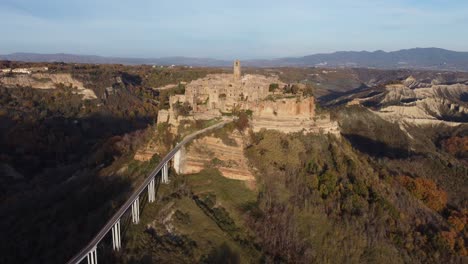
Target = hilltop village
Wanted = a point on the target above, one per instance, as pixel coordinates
(75, 133)
(263, 96)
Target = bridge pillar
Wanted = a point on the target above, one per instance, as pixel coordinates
(179, 161)
(151, 192)
(165, 174)
(92, 256)
(136, 211)
(116, 241)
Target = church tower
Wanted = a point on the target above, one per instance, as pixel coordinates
(237, 70)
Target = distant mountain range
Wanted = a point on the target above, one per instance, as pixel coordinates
(417, 58)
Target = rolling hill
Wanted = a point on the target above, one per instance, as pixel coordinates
(417, 58)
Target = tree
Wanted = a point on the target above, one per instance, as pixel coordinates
(182, 109)
(242, 121)
(308, 91)
(273, 87)
(425, 190)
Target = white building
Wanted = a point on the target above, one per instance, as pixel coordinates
(21, 70)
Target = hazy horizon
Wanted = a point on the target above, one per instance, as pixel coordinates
(222, 59)
(240, 29)
(130, 133)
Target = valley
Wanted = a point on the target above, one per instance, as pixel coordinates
(345, 165)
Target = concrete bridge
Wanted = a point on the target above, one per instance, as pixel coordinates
(89, 252)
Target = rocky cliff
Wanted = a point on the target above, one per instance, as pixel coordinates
(226, 154)
(47, 81)
(287, 107)
(430, 105)
(286, 115)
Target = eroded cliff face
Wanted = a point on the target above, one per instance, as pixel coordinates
(149, 150)
(288, 107)
(212, 152)
(428, 105)
(286, 115)
(47, 81)
(277, 109)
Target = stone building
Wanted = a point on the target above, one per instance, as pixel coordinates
(216, 94)
(225, 92)
(237, 70)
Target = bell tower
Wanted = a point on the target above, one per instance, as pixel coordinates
(237, 70)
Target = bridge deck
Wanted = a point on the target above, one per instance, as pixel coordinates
(108, 226)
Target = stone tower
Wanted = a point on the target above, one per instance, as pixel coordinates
(237, 70)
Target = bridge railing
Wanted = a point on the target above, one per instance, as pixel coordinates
(90, 250)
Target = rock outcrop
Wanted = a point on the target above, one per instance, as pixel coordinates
(424, 105)
(286, 115)
(287, 107)
(271, 106)
(146, 152)
(47, 81)
(210, 151)
(411, 82)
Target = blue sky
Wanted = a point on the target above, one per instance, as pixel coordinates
(229, 29)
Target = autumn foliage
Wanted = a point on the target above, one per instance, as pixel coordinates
(425, 190)
(455, 237)
(457, 146)
(459, 220)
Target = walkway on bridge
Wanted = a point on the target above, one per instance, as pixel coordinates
(90, 250)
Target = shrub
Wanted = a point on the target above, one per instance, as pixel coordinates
(308, 91)
(425, 190)
(273, 87)
(182, 217)
(182, 109)
(458, 219)
(242, 121)
(327, 184)
(180, 89)
(293, 89)
(457, 146)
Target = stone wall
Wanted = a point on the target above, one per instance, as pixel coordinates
(215, 94)
(224, 92)
(286, 115)
(163, 116)
(218, 93)
(288, 107)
